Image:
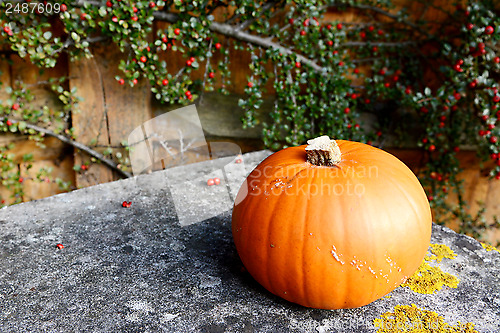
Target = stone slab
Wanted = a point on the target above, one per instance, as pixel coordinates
(137, 269)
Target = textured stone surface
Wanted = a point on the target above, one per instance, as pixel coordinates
(137, 269)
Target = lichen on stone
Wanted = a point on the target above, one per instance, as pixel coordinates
(440, 251)
(410, 318)
(489, 247)
(429, 279)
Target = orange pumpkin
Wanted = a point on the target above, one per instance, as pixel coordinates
(335, 224)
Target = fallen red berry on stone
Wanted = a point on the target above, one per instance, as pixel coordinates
(216, 181)
(60, 246)
(210, 182)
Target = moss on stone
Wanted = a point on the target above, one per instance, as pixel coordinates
(410, 318)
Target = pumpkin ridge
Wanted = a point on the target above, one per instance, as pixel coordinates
(270, 269)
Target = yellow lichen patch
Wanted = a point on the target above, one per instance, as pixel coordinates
(489, 247)
(440, 251)
(406, 318)
(428, 279)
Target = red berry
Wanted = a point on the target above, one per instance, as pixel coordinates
(298, 64)
(15, 106)
(496, 98)
(144, 59)
(189, 62)
(489, 30)
(395, 78)
(341, 63)
(496, 60)
(493, 139)
(238, 161)
(430, 198)
(109, 4)
(362, 34)
(134, 18)
(210, 182)
(164, 82)
(442, 124)
(408, 91)
(291, 21)
(216, 181)
(339, 26)
(371, 28)
(188, 93)
(493, 156)
(367, 101)
(423, 109)
(218, 46)
(63, 8)
(121, 81)
(356, 70)
(375, 49)
(152, 4)
(21, 179)
(114, 19)
(432, 148)
(473, 84)
(497, 176)
(329, 43)
(491, 126)
(302, 32)
(134, 81)
(457, 96)
(83, 16)
(135, 10)
(354, 96)
(470, 26)
(60, 246)
(177, 31)
(379, 133)
(380, 32)
(125, 204)
(456, 149)
(305, 23)
(211, 75)
(9, 123)
(192, 59)
(250, 84)
(387, 84)
(482, 132)
(347, 110)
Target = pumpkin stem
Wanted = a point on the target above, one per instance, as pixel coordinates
(323, 151)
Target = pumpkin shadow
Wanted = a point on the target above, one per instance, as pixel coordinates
(211, 242)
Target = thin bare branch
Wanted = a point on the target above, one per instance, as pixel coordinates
(75, 144)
